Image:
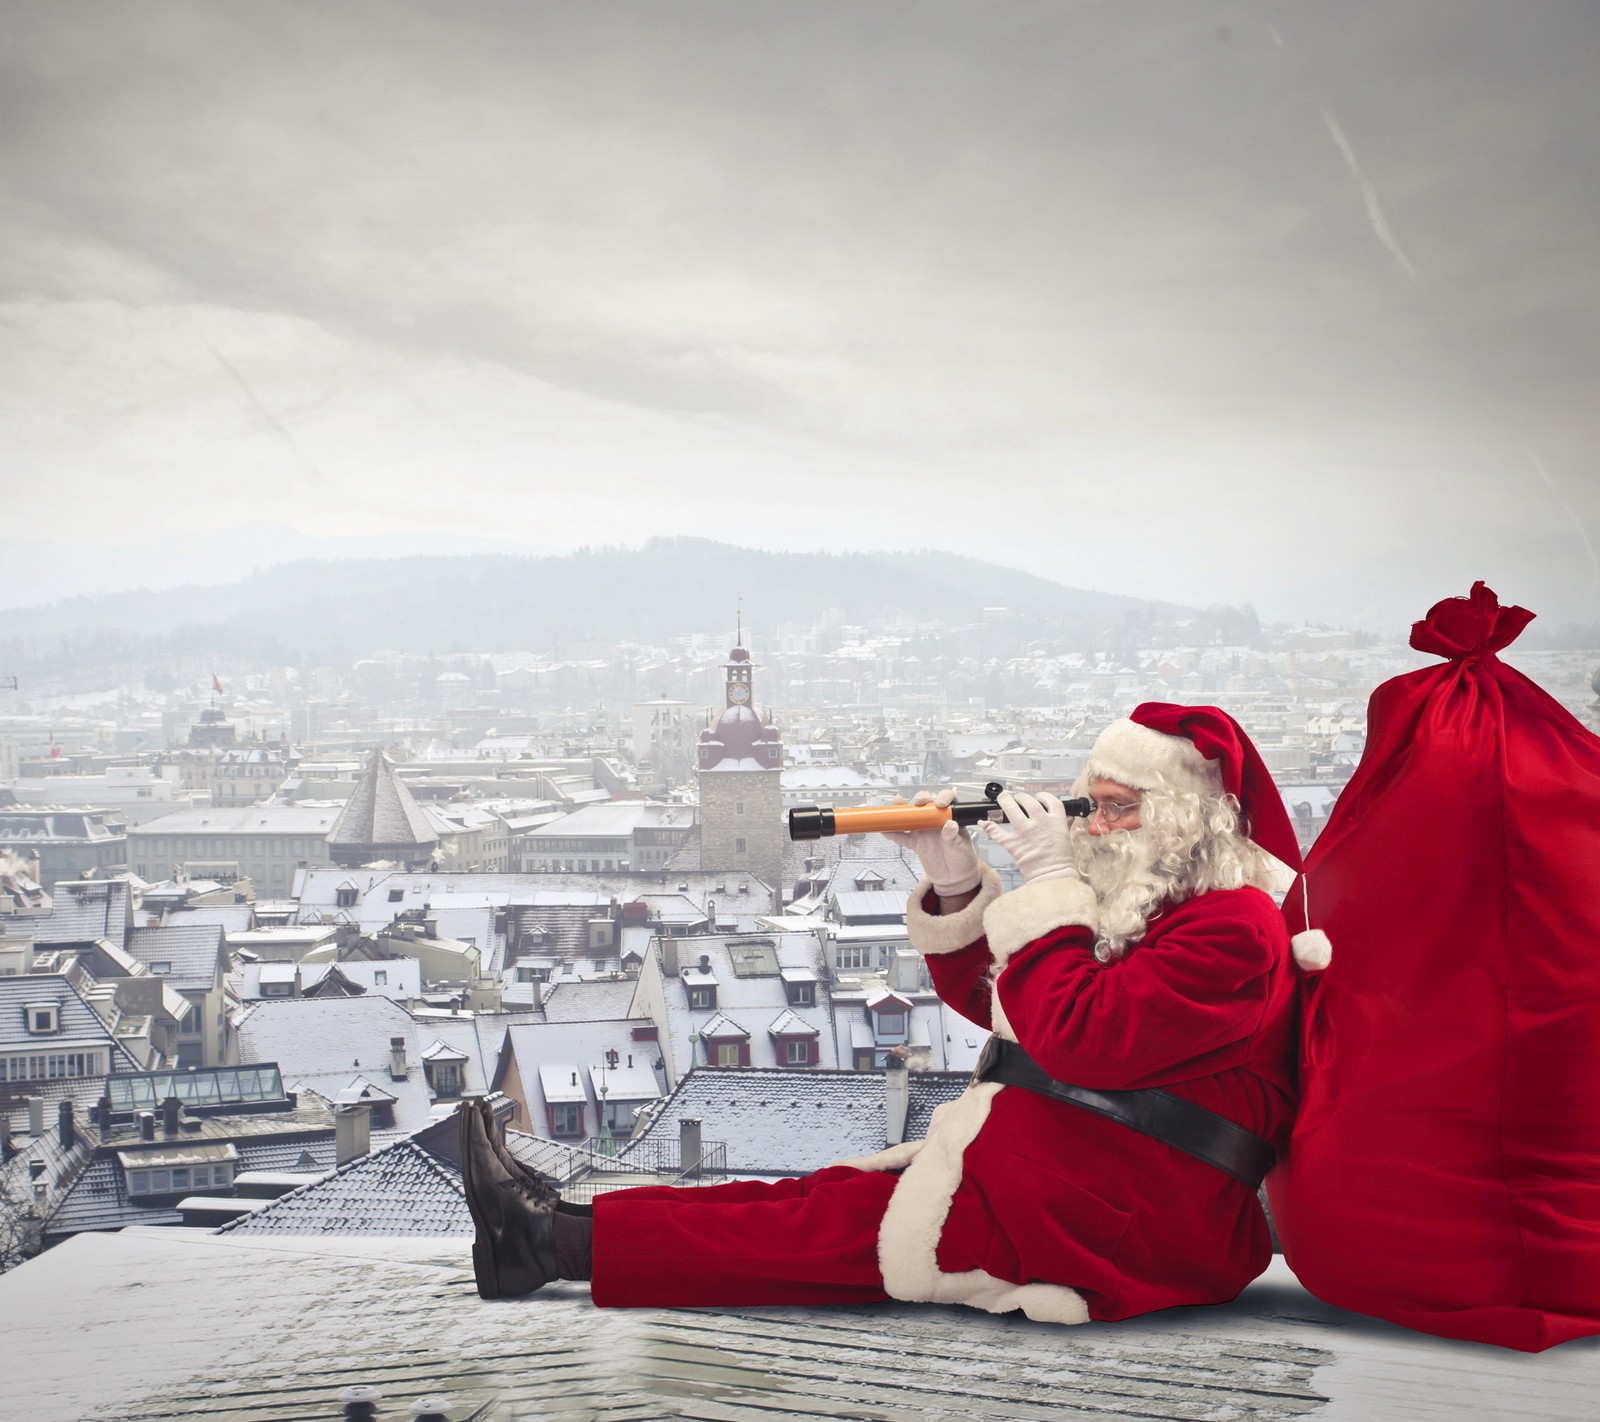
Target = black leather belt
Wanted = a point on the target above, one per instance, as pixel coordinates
(1152, 1112)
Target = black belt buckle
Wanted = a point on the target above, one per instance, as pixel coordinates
(986, 1059)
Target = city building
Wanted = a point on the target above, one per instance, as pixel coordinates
(65, 844)
(264, 843)
(740, 772)
(382, 822)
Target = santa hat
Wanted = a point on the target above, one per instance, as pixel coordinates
(1201, 750)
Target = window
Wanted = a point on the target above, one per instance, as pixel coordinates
(703, 997)
(161, 968)
(738, 807)
(380, 978)
(738, 844)
(180, 1179)
(891, 1024)
(727, 1054)
(802, 994)
(396, 895)
(446, 1078)
(43, 1018)
(56, 1064)
(854, 956)
(566, 1120)
(797, 1053)
(189, 1023)
(344, 898)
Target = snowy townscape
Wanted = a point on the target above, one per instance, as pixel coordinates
(505, 505)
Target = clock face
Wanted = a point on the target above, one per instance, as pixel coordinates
(738, 693)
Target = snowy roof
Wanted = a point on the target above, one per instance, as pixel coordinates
(194, 954)
(83, 911)
(621, 1083)
(361, 1091)
(382, 813)
(926, 1090)
(98, 1198)
(756, 998)
(325, 1311)
(871, 903)
(779, 1121)
(561, 1084)
(323, 1044)
(615, 819)
(78, 1025)
(270, 817)
(571, 1000)
(440, 1051)
(399, 1190)
(786, 1024)
(722, 1026)
(567, 1047)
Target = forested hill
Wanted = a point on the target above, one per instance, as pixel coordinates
(668, 588)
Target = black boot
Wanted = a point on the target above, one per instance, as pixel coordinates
(513, 1248)
(515, 1168)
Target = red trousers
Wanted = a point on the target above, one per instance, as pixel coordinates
(813, 1240)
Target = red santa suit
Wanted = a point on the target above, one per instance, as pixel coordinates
(1015, 1200)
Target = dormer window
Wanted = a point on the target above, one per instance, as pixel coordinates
(161, 968)
(44, 1018)
(344, 898)
(704, 997)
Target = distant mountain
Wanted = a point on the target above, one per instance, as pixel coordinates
(669, 588)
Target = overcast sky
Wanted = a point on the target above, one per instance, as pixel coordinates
(1283, 303)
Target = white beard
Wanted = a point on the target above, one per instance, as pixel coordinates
(1127, 884)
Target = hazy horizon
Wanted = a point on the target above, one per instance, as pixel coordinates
(1219, 305)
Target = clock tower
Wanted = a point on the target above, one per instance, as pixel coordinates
(740, 777)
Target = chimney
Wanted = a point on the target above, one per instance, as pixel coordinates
(352, 1133)
(397, 1058)
(689, 1150)
(669, 956)
(7, 1150)
(103, 1114)
(171, 1109)
(896, 1099)
(705, 962)
(147, 1125)
(36, 1115)
(66, 1125)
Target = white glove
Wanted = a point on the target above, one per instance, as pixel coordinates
(946, 853)
(1035, 835)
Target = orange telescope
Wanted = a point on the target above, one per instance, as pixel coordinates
(819, 822)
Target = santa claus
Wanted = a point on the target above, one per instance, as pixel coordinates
(1140, 990)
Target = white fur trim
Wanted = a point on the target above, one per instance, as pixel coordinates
(1034, 910)
(896, 1157)
(949, 933)
(1135, 756)
(908, 1240)
(1312, 950)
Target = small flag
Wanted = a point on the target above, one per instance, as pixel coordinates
(55, 750)
(216, 685)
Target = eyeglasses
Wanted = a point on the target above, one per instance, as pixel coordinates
(1110, 811)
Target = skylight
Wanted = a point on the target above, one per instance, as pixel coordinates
(753, 960)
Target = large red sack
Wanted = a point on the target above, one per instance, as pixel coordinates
(1444, 1170)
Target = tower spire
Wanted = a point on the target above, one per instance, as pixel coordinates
(738, 636)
